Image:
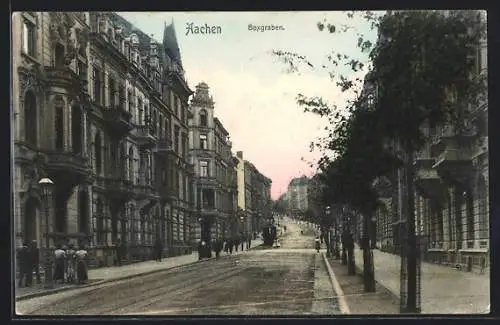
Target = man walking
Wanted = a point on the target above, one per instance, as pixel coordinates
(35, 260)
(158, 249)
(25, 269)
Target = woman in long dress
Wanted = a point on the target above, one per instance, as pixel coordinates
(81, 265)
(70, 264)
(60, 258)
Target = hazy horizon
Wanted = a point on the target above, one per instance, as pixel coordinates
(254, 95)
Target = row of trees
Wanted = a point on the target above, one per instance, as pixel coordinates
(422, 74)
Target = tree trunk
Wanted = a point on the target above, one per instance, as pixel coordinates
(412, 305)
(368, 267)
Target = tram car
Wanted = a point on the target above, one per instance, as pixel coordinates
(269, 234)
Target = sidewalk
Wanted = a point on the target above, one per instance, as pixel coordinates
(115, 273)
(444, 290)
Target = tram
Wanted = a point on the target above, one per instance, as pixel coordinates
(269, 234)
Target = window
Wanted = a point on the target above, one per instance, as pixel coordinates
(59, 127)
(163, 177)
(98, 153)
(140, 108)
(131, 164)
(29, 38)
(100, 231)
(176, 138)
(76, 129)
(130, 104)
(112, 92)
(203, 142)
(203, 118)
(30, 118)
(203, 168)
(97, 84)
(82, 70)
(59, 56)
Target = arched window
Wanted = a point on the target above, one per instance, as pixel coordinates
(76, 129)
(59, 54)
(203, 118)
(131, 164)
(98, 153)
(30, 119)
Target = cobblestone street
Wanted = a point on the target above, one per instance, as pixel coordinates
(257, 282)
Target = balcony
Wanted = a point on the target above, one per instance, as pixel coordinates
(116, 188)
(145, 136)
(63, 77)
(454, 164)
(143, 191)
(164, 146)
(208, 210)
(118, 120)
(24, 152)
(429, 184)
(67, 167)
(207, 182)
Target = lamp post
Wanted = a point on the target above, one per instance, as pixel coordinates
(327, 240)
(46, 185)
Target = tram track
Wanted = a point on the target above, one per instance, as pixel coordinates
(100, 295)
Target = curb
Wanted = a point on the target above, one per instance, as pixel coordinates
(126, 277)
(343, 306)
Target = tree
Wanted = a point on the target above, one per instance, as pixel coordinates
(422, 67)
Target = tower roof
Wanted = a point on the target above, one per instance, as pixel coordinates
(170, 42)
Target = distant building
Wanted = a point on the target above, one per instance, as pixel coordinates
(297, 195)
(254, 196)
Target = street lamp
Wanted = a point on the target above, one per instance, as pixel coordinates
(46, 185)
(327, 212)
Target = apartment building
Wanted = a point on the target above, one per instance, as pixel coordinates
(215, 175)
(101, 109)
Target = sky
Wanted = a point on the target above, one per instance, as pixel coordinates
(254, 94)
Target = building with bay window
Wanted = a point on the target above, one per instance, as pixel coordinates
(101, 109)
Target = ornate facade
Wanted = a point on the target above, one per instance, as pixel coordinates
(101, 109)
(215, 179)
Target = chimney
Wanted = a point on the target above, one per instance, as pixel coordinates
(239, 154)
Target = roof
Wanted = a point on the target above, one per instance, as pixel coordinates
(170, 42)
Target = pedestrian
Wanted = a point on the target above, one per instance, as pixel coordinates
(81, 264)
(35, 260)
(218, 248)
(25, 274)
(236, 244)
(118, 252)
(225, 246)
(60, 261)
(249, 244)
(70, 263)
(230, 243)
(158, 249)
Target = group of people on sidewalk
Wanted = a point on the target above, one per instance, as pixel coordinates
(228, 245)
(70, 265)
